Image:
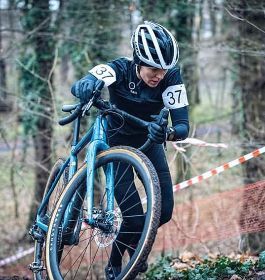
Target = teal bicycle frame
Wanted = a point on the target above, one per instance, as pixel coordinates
(96, 137)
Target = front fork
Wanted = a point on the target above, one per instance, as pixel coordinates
(109, 180)
(98, 144)
(74, 214)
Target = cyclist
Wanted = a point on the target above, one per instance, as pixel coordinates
(142, 86)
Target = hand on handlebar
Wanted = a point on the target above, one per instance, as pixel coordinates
(81, 108)
(83, 89)
(157, 130)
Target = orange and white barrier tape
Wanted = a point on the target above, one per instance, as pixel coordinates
(177, 187)
(219, 169)
(16, 257)
(198, 142)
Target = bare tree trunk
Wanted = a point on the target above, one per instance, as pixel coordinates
(43, 151)
(44, 50)
(3, 95)
(212, 13)
(252, 82)
(12, 174)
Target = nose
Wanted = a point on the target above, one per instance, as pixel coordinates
(160, 73)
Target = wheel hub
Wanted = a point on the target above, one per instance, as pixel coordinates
(104, 238)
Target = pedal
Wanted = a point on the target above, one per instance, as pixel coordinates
(35, 267)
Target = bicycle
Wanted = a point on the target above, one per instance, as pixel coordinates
(79, 215)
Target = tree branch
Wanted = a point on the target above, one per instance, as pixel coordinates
(50, 83)
(244, 20)
(31, 72)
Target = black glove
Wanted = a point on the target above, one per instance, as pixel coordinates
(157, 130)
(83, 89)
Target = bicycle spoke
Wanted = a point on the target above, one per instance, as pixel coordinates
(138, 203)
(131, 216)
(118, 248)
(57, 195)
(117, 169)
(83, 252)
(125, 171)
(130, 232)
(125, 196)
(128, 197)
(68, 251)
(93, 259)
(124, 244)
(82, 199)
(81, 260)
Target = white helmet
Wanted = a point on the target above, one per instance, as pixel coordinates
(153, 45)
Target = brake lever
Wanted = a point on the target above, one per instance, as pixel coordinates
(87, 107)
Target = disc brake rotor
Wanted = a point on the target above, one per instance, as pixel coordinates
(104, 239)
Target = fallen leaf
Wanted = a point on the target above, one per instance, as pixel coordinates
(180, 266)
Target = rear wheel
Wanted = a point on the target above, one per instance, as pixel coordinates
(39, 251)
(122, 237)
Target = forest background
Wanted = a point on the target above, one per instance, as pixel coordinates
(46, 45)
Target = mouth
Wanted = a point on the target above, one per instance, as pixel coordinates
(154, 82)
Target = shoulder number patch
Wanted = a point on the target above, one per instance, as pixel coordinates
(105, 73)
(175, 97)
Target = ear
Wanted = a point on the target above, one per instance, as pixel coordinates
(138, 69)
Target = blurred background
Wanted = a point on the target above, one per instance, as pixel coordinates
(46, 45)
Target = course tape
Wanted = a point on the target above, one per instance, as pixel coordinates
(197, 142)
(218, 170)
(177, 187)
(16, 257)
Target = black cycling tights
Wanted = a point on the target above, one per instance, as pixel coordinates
(128, 201)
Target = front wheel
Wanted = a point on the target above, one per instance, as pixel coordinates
(118, 242)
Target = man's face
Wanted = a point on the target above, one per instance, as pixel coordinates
(152, 76)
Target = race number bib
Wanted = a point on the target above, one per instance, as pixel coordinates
(105, 73)
(175, 97)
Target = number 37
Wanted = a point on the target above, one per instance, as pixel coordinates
(103, 71)
(173, 97)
